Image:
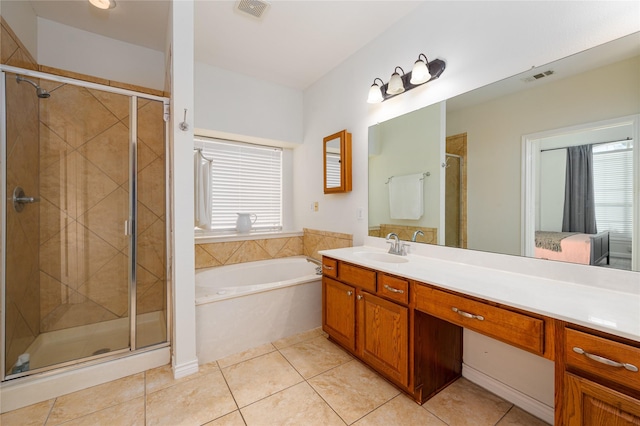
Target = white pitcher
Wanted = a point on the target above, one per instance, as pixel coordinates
(244, 222)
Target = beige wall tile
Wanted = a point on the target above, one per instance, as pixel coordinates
(76, 115)
(151, 186)
(151, 249)
(151, 126)
(117, 104)
(109, 151)
(52, 147)
(109, 286)
(249, 251)
(204, 259)
(106, 219)
(316, 240)
(8, 45)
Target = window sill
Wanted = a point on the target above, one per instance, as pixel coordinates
(204, 238)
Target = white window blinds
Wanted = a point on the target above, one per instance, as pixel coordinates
(613, 189)
(244, 179)
(333, 170)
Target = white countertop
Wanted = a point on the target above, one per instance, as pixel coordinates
(612, 310)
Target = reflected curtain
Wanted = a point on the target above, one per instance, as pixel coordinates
(579, 205)
(202, 190)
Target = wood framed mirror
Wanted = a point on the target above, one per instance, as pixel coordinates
(336, 150)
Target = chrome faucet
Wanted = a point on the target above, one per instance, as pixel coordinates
(415, 235)
(396, 247)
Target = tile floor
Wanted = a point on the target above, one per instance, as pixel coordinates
(301, 380)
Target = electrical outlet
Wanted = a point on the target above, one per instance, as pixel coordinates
(359, 213)
(315, 206)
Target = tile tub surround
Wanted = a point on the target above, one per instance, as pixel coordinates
(271, 384)
(262, 248)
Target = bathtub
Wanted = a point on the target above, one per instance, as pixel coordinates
(245, 305)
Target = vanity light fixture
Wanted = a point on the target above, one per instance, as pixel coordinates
(103, 4)
(423, 71)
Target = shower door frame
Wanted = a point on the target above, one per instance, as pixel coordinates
(130, 225)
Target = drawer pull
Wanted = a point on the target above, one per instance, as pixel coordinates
(327, 267)
(349, 293)
(606, 361)
(393, 290)
(467, 314)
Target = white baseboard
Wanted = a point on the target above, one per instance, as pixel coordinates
(527, 403)
(185, 369)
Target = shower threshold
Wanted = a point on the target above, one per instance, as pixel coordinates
(76, 343)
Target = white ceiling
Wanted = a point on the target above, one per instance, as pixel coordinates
(293, 44)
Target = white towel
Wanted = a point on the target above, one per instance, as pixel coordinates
(406, 196)
(202, 191)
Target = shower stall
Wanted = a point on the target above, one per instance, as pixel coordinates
(84, 223)
(453, 200)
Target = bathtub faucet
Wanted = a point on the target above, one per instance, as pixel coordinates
(317, 262)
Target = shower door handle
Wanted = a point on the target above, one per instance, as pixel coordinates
(19, 199)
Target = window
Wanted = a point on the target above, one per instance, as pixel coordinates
(245, 178)
(613, 187)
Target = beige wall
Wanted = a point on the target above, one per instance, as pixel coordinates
(494, 142)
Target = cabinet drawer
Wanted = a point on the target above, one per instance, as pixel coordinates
(357, 276)
(393, 288)
(624, 357)
(514, 328)
(329, 267)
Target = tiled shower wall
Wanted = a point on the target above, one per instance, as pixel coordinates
(23, 287)
(227, 253)
(84, 173)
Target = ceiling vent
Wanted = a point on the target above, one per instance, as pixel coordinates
(255, 8)
(537, 76)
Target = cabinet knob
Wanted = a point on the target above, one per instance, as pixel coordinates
(606, 361)
(349, 292)
(359, 297)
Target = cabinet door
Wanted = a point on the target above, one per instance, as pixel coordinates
(591, 404)
(383, 328)
(339, 312)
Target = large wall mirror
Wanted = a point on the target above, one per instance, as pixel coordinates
(479, 176)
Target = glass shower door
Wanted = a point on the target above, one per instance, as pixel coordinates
(67, 255)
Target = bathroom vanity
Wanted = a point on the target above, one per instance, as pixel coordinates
(404, 317)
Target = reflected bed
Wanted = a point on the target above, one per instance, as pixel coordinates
(588, 249)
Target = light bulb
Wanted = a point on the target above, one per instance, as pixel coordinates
(396, 86)
(375, 94)
(420, 73)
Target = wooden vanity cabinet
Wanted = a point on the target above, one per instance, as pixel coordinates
(374, 329)
(601, 382)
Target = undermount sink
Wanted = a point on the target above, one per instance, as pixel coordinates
(381, 257)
